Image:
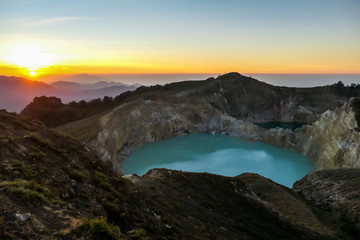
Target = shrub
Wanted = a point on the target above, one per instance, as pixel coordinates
(111, 207)
(36, 153)
(23, 168)
(138, 234)
(29, 195)
(19, 125)
(31, 192)
(104, 182)
(77, 175)
(98, 228)
(113, 212)
(36, 137)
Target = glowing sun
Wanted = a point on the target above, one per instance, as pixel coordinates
(31, 57)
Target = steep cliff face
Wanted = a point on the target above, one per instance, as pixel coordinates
(230, 104)
(137, 123)
(333, 141)
(134, 124)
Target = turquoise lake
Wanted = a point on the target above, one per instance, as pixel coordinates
(220, 154)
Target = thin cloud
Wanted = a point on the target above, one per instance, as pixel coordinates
(52, 21)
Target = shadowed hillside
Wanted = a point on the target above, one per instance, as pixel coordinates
(53, 112)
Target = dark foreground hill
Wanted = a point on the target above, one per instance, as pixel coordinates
(54, 187)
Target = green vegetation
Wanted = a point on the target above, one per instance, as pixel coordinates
(138, 234)
(85, 129)
(98, 228)
(19, 125)
(36, 154)
(77, 175)
(52, 112)
(25, 170)
(338, 84)
(114, 214)
(36, 137)
(49, 110)
(111, 207)
(31, 192)
(104, 182)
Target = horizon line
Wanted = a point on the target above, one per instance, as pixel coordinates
(176, 73)
(196, 73)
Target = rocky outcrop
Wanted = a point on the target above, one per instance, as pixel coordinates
(333, 141)
(336, 190)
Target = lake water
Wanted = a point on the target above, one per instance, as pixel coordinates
(222, 155)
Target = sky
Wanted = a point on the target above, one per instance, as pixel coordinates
(42, 38)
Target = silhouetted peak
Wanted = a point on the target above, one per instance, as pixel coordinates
(237, 77)
(231, 75)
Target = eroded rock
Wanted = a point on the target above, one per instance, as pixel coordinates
(22, 217)
(337, 190)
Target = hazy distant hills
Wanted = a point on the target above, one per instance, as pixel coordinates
(82, 78)
(16, 92)
(88, 86)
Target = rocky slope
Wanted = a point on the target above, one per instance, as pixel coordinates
(229, 104)
(48, 181)
(333, 141)
(52, 186)
(336, 190)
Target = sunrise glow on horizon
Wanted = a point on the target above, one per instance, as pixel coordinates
(40, 38)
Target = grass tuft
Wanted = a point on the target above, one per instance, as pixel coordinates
(98, 228)
(31, 192)
(36, 137)
(104, 182)
(138, 234)
(23, 168)
(36, 153)
(77, 175)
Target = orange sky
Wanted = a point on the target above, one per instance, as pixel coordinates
(179, 37)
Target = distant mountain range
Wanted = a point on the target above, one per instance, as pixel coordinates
(16, 92)
(82, 78)
(89, 86)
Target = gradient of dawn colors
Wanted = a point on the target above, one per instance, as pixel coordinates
(188, 36)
